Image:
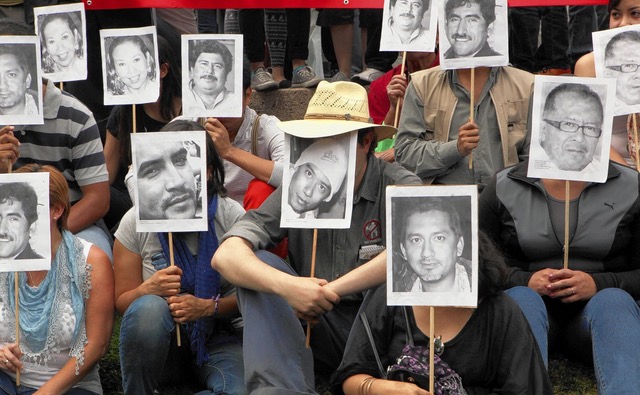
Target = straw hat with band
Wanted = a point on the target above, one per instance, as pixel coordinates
(336, 108)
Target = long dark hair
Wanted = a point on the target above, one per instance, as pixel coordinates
(215, 168)
(170, 88)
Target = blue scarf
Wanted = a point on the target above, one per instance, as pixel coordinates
(40, 308)
(198, 278)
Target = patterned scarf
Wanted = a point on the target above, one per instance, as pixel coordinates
(198, 278)
(41, 308)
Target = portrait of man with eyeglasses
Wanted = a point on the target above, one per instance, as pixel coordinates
(622, 62)
(571, 128)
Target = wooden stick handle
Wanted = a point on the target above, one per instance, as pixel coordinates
(133, 117)
(313, 273)
(432, 354)
(172, 263)
(16, 287)
(567, 191)
(472, 106)
(397, 116)
(634, 120)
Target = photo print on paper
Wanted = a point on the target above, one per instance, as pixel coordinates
(472, 33)
(317, 183)
(212, 75)
(21, 98)
(432, 256)
(409, 25)
(62, 32)
(170, 178)
(130, 69)
(571, 128)
(25, 235)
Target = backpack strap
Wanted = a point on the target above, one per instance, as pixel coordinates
(254, 136)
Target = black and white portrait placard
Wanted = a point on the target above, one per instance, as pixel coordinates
(63, 36)
(130, 69)
(169, 173)
(617, 55)
(571, 128)
(473, 33)
(21, 88)
(432, 245)
(409, 25)
(317, 186)
(25, 233)
(212, 75)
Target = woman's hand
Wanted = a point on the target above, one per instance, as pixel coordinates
(386, 387)
(571, 286)
(10, 355)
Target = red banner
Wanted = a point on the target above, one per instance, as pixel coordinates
(118, 4)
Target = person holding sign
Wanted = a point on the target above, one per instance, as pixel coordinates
(589, 307)
(70, 140)
(66, 313)
(153, 297)
(435, 136)
(490, 349)
(18, 215)
(274, 295)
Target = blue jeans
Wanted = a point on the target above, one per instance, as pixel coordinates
(8, 387)
(149, 355)
(276, 360)
(608, 325)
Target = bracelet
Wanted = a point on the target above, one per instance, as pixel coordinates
(365, 385)
(216, 299)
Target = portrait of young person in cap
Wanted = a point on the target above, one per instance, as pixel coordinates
(278, 298)
(315, 184)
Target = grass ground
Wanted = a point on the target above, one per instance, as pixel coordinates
(568, 377)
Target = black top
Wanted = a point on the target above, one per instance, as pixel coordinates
(495, 351)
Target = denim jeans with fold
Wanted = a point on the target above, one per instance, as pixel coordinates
(607, 327)
(149, 356)
(8, 387)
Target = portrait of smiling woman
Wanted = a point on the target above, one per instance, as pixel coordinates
(130, 68)
(62, 46)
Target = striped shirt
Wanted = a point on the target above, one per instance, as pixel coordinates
(68, 140)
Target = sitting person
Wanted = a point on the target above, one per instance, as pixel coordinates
(275, 295)
(70, 141)
(66, 313)
(590, 307)
(491, 348)
(153, 298)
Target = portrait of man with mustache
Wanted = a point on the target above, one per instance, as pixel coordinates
(468, 25)
(210, 65)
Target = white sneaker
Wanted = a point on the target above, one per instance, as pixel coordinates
(366, 77)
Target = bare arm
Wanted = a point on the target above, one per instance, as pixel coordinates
(128, 278)
(355, 385)
(236, 262)
(254, 165)
(99, 322)
(112, 156)
(367, 276)
(585, 66)
(93, 206)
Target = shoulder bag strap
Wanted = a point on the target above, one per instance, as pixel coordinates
(254, 136)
